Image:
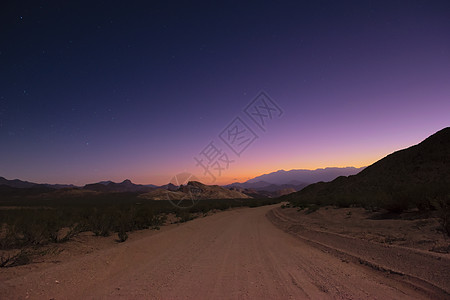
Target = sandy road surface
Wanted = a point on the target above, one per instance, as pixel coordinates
(237, 254)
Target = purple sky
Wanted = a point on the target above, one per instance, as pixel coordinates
(114, 90)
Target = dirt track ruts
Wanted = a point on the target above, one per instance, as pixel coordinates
(238, 254)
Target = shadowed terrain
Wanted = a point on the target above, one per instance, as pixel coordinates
(416, 177)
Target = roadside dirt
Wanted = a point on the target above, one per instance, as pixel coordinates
(409, 229)
(392, 247)
(237, 254)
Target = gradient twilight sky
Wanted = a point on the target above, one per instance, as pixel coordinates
(109, 90)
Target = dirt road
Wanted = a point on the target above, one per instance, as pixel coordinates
(237, 254)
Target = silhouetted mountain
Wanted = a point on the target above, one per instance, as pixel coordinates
(124, 186)
(105, 182)
(249, 185)
(16, 183)
(417, 176)
(151, 186)
(60, 186)
(169, 186)
(298, 177)
(282, 182)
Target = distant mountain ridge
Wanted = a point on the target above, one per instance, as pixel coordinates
(283, 182)
(124, 186)
(102, 186)
(274, 184)
(293, 179)
(17, 183)
(302, 176)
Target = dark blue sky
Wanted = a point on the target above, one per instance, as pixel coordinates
(113, 90)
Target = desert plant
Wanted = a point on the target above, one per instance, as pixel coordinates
(122, 235)
(443, 206)
(312, 208)
(19, 258)
(72, 231)
(184, 216)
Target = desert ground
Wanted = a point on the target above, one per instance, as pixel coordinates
(247, 253)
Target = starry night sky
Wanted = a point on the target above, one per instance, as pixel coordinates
(108, 90)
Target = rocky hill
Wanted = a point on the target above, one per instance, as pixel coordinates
(418, 176)
(195, 189)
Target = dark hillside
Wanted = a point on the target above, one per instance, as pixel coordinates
(418, 176)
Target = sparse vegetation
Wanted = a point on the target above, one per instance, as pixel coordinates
(17, 258)
(30, 221)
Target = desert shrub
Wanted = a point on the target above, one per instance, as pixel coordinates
(21, 257)
(33, 228)
(301, 205)
(10, 237)
(158, 221)
(443, 207)
(184, 216)
(343, 202)
(393, 200)
(122, 235)
(140, 217)
(445, 221)
(100, 223)
(312, 208)
(71, 232)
